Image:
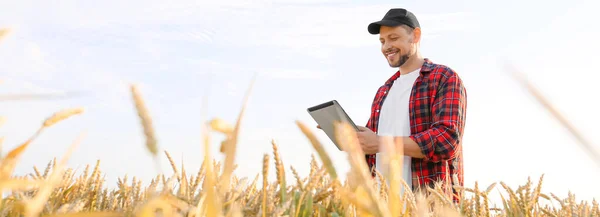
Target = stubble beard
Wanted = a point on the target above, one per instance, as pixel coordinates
(401, 61)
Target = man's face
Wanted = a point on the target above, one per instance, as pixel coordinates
(398, 44)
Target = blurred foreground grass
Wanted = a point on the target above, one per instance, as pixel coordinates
(214, 190)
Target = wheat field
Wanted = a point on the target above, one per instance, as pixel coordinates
(214, 190)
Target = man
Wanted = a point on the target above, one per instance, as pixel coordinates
(423, 104)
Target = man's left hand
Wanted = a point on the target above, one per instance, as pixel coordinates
(369, 140)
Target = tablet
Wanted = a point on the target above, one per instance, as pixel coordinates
(326, 114)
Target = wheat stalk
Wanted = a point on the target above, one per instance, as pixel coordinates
(319, 148)
(230, 145)
(279, 171)
(146, 120)
(59, 192)
(582, 141)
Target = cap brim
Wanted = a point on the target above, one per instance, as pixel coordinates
(375, 26)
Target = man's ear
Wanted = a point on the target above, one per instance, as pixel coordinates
(416, 35)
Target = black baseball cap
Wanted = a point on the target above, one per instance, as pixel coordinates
(395, 17)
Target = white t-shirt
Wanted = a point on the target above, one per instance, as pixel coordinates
(394, 119)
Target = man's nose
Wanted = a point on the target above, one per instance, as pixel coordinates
(385, 46)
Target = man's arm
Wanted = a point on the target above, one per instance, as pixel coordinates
(411, 148)
(441, 141)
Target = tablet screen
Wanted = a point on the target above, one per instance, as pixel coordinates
(327, 114)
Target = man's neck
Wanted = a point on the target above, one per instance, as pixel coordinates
(413, 64)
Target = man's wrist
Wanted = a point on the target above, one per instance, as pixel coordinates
(377, 143)
(412, 148)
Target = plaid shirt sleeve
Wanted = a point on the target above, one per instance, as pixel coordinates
(448, 111)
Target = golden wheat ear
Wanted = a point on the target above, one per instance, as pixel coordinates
(279, 171)
(8, 162)
(265, 184)
(61, 115)
(2, 120)
(145, 119)
(3, 33)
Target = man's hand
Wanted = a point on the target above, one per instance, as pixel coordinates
(369, 140)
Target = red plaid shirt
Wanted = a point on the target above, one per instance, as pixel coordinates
(437, 107)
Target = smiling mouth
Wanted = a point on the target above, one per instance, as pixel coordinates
(390, 55)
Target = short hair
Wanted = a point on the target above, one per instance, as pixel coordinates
(407, 28)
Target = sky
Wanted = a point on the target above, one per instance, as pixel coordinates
(305, 53)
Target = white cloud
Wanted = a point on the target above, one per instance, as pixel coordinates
(241, 23)
(154, 24)
(232, 89)
(207, 66)
(328, 28)
(23, 87)
(21, 57)
(295, 74)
